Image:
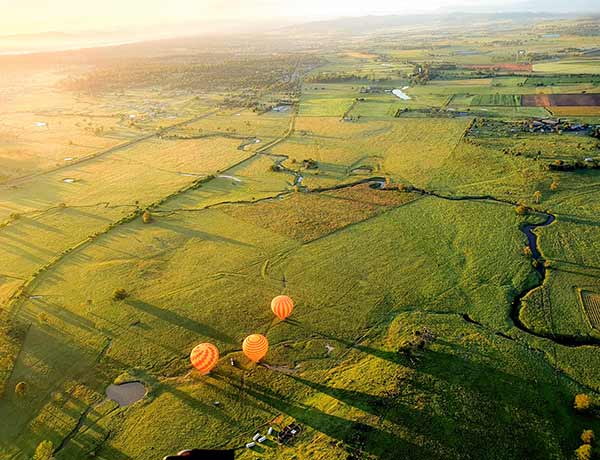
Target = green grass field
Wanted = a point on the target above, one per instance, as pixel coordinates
(161, 321)
(503, 100)
(570, 66)
(408, 149)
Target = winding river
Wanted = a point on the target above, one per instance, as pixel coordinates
(532, 242)
(517, 304)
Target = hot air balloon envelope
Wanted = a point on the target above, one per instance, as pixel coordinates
(255, 347)
(204, 357)
(282, 306)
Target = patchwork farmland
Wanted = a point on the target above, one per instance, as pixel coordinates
(423, 199)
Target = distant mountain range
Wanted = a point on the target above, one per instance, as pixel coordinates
(366, 24)
(525, 11)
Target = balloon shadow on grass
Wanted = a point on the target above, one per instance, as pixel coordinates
(396, 357)
(181, 321)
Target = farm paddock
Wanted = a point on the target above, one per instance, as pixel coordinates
(560, 100)
(591, 305)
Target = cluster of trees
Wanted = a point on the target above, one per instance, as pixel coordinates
(560, 127)
(560, 165)
(585, 451)
(209, 72)
(251, 99)
(523, 209)
(419, 341)
(341, 77)
(584, 404)
(583, 27)
(437, 112)
(309, 163)
(422, 73)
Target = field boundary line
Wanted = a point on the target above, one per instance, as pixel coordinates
(18, 293)
(116, 148)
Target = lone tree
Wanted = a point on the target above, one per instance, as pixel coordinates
(554, 186)
(587, 437)
(582, 402)
(537, 196)
(584, 452)
(146, 217)
(20, 389)
(44, 451)
(120, 294)
(527, 251)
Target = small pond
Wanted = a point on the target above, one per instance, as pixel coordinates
(126, 393)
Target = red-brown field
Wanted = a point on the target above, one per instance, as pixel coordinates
(308, 216)
(560, 100)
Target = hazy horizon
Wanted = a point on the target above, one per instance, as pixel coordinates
(70, 16)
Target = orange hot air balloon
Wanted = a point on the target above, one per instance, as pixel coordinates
(282, 306)
(255, 347)
(204, 357)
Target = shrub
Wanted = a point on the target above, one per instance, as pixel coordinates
(554, 186)
(521, 209)
(120, 294)
(44, 451)
(20, 389)
(310, 164)
(146, 217)
(584, 452)
(527, 251)
(582, 402)
(588, 437)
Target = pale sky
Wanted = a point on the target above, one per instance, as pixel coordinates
(31, 16)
